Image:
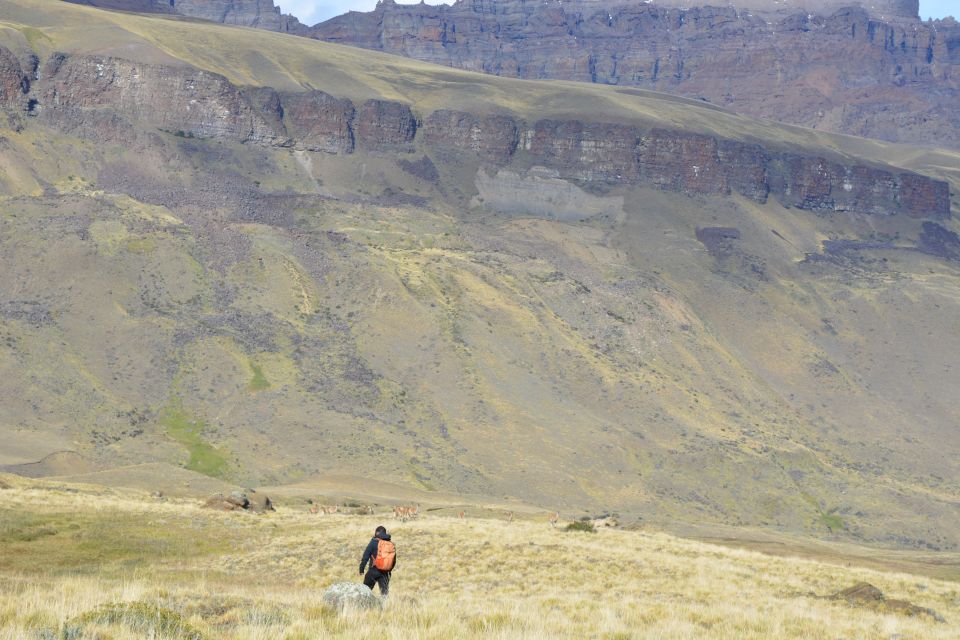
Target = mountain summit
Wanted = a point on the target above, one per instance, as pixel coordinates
(873, 70)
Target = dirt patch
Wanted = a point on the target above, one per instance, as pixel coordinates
(56, 464)
(864, 594)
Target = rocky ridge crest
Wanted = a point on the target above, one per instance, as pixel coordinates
(872, 70)
(103, 98)
(262, 14)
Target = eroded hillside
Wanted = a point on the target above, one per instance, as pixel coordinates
(270, 259)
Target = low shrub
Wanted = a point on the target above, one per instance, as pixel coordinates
(148, 620)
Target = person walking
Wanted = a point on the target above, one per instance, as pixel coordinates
(382, 556)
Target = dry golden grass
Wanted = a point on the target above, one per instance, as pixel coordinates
(168, 569)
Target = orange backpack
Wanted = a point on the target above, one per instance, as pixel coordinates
(386, 554)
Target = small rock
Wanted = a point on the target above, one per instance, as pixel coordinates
(343, 595)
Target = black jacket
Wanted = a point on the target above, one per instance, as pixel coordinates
(370, 553)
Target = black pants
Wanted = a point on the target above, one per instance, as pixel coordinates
(375, 576)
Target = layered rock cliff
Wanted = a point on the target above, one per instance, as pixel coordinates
(87, 95)
(262, 14)
(882, 9)
(873, 71)
(105, 97)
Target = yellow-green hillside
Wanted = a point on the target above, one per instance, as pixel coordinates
(263, 315)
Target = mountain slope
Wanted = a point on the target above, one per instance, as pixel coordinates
(266, 283)
(875, 71)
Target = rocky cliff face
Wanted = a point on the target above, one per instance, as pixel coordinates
(105, 97)
(844, 69)
(493, 138)
(319, 122)
(88, 94)
(262, 14)
(384, 125)
(13, 81)
(882, 9)
(702, 165)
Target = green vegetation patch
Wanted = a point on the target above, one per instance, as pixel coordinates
(259, 381)
(581, 525)
(832, 521)
(204, 457)
(146, 619)
(828, 518)
(141, 245)
(100, 540)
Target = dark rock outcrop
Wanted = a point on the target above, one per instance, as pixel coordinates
(586, 151)
(106, 97)
(875, 71)
(14, 83)
(697, 164)
(817, 184)
(385, 125)
(319, 122)
(94, 95)
(493, 138)
(688, 162)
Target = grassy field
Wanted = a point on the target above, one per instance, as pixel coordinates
(80, 562)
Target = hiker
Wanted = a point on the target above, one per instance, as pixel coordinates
(382, 556)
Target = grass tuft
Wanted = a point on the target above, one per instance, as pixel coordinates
(832, 521)
(581, 525)
(143, 618)
(259, 381)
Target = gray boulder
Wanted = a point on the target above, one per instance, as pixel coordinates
(343, 595)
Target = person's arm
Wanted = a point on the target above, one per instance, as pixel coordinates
(369, 551)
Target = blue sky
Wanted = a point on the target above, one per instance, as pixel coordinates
(939, 8)
(313, 11)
